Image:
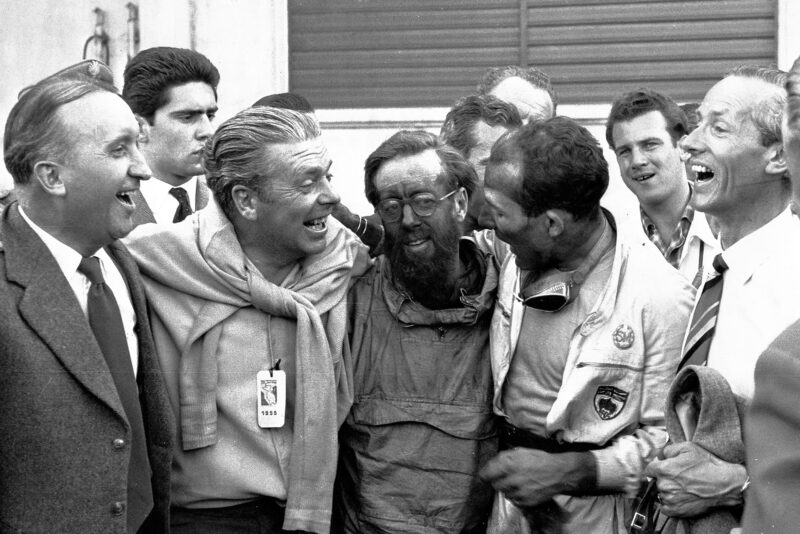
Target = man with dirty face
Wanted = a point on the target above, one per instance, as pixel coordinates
(421, 425)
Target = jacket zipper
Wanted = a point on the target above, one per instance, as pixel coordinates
(609, 366)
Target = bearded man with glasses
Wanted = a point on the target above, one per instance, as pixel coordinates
(586, 336)
(421, 425)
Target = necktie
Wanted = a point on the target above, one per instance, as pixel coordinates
(106, 323)
(184, 209)
(704, 318)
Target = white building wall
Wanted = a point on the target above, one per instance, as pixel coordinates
(248, 41)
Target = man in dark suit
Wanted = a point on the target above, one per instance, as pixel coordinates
(85, 432)
(173, 93)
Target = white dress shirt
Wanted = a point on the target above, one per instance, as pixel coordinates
(68, 260)
(760, 298)
(162, 204)
(699, 238)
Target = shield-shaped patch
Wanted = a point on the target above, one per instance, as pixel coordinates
(609, 401)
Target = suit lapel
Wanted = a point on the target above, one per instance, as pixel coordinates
(50, 308)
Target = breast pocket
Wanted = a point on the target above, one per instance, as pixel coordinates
(607, 393)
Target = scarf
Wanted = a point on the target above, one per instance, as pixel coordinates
(199, 267)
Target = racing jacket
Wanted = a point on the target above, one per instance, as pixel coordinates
(620, 364)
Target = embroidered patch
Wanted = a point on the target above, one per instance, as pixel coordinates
(609, 401)
(623, 336)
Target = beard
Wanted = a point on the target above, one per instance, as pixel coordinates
(427, 277)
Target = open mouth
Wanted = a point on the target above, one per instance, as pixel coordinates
(125, 199)
(643, 177)
(317, 225)
(702, 173)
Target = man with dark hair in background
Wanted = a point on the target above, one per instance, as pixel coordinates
(527, 88)
(584, 344)
(421, 425)
(643, 130)
(86, 431)
(173, 93)
(472, 126)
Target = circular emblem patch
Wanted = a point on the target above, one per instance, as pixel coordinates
(623, 336)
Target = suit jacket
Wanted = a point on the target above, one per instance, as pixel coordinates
(144, 214)
(772, 439)
(62, 466)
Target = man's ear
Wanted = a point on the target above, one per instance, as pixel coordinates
(144, 128)
(555, 221)
(244, 199)
(461, 203)
(776, 164)
(48, 174)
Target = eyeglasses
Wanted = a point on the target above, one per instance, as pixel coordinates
(423, 204)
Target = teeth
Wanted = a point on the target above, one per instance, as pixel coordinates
(316, 224)
(702, 172)
(125, 198)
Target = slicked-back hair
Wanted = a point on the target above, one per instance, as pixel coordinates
(793, 97)
(561, 165)
(767, 112)
(456, 170)
(644, 100)
(286, 101)
(34, 132)
(151, 73)
(237, 153)
(537, 78)
(458, 129)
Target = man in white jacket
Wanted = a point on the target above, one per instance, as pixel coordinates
(586, 337)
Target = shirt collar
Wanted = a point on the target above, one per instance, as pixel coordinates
(155, 191)
(756, 248)
(67, 257)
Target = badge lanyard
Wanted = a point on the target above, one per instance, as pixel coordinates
(271, 390)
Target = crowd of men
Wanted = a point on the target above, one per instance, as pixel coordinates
(196, 336)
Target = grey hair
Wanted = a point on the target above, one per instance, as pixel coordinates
(766, 112)
(35, 132)
(236, 155)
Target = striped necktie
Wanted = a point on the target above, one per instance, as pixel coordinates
(704, 318)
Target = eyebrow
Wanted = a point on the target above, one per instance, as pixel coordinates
(195, 110)
(126, 135)
(314, 169)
